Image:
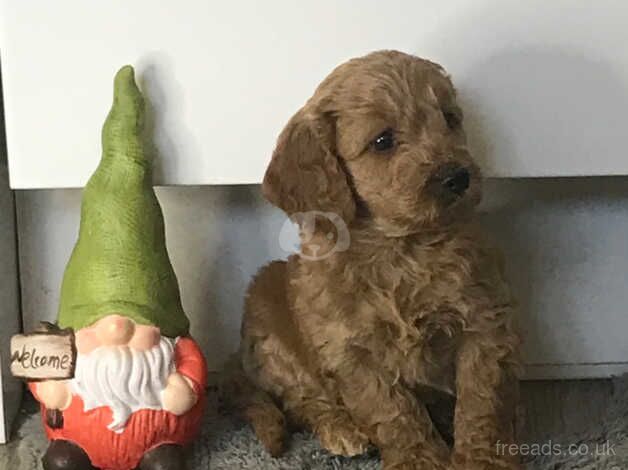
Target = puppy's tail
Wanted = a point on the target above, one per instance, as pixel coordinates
(239, 394)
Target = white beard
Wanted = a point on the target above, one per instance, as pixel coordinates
(124, 379)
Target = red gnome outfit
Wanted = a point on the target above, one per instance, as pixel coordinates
(145, 429)
(138, 391)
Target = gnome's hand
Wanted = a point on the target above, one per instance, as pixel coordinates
(178, 396)
(53, 394)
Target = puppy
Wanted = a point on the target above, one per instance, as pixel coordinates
(345, 340)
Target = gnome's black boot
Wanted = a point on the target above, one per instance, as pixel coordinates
(164, 457)
(64, 455)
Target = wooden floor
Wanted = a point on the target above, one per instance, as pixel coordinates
(553, 408)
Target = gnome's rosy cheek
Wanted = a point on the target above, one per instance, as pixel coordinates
(145, 337)
(86, 340)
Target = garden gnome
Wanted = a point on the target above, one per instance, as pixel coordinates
(137, 395)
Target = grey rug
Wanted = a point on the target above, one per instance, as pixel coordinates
(227, 443)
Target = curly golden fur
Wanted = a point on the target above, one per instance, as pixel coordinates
(346, 342)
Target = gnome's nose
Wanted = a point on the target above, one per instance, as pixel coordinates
(115, 330)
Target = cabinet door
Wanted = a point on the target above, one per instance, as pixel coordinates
(544, 84)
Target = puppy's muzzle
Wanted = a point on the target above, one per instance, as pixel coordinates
(457, 181)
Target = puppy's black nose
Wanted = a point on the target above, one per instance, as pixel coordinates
(458, 181)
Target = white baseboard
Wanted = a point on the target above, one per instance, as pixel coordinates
(574, 371)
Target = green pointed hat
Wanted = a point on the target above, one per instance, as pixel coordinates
(120, 263)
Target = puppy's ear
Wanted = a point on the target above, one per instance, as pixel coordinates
(304, 173)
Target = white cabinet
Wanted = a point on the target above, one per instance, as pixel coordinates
(544, 84)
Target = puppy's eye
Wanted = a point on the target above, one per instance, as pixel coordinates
(452, 119)
(384, 142)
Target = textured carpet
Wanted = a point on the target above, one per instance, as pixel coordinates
(227, 443)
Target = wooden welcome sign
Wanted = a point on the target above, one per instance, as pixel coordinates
(46, 354)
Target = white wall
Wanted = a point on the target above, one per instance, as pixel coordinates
(565, 241)
(566, 246)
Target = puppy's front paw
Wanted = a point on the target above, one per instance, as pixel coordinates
(342, 437)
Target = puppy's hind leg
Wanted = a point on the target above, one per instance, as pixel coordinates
(268, 423)
(238, 393)
(305, 401)
(312, 407)
(273, 358)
